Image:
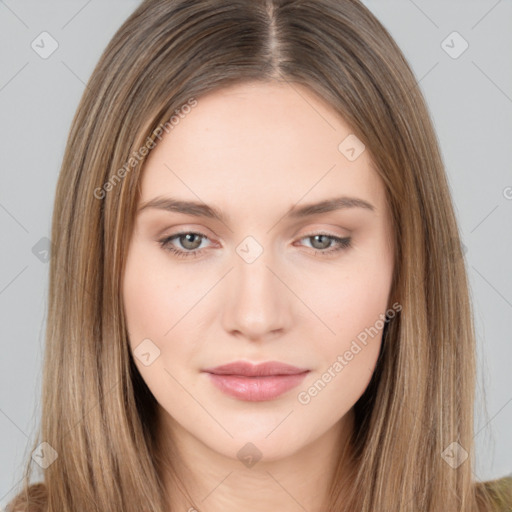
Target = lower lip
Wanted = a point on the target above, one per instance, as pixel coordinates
(256, 389)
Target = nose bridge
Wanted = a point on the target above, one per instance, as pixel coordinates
(257, 303)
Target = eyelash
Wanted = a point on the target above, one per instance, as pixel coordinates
(343, 243)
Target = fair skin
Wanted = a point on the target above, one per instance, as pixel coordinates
(254, 151)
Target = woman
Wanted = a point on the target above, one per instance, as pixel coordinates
(258, 298)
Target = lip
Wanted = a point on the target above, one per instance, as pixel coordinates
(247, 369)
(256, 382)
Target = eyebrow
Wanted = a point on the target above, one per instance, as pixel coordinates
(198, 209)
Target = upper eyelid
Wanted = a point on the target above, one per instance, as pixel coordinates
(185, 227)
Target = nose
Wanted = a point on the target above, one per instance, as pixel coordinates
(258, 305)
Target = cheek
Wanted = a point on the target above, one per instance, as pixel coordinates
(147, 297)
(156, 303)
(156, 297)
(156, 317)
(353, 306)
(332, 392)
(349, 301)
(348, 358)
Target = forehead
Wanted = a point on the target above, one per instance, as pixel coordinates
(259, 144)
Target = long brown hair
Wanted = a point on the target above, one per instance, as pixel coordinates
(97, 413)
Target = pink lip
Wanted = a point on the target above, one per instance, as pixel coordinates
(256, 383)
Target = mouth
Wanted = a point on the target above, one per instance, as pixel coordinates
(256, 383)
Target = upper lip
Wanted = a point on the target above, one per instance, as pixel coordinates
(247, 369)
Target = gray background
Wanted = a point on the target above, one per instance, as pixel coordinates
(470, 99)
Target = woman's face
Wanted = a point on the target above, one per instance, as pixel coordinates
(261, 274)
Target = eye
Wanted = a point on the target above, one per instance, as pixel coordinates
(323, 244)
(189, 240)
(323, 241)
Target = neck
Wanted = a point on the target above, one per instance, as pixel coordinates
(207, 481)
